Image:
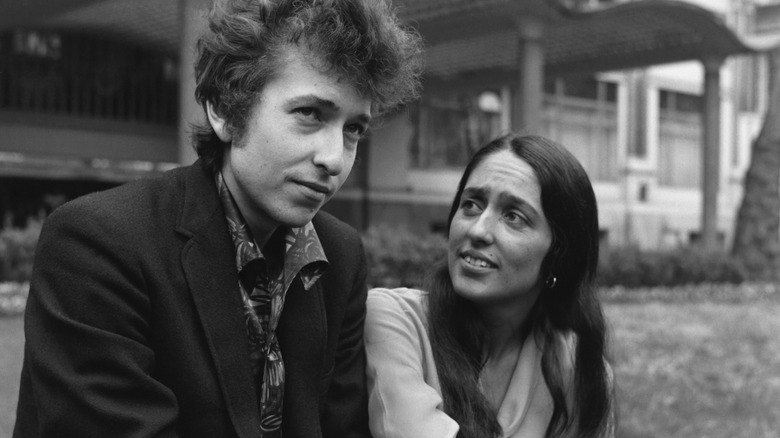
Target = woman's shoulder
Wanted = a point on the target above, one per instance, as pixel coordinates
(398, 298)
(404, 302)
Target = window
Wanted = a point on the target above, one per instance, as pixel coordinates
(580, 112)
(450, 128)
(679, 139)
(84, 76)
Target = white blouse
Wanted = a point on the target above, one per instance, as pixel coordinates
(404, 392)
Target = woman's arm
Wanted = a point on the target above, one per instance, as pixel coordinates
(404, 395)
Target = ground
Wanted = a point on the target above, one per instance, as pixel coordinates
(683, 369)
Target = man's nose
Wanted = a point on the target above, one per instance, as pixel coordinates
(329, 153)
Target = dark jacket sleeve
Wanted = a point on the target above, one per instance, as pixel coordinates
(345, 405)
(88, 361)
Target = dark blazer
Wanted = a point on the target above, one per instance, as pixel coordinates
(134, 323)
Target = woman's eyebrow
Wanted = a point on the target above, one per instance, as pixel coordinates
(479, 192)
(512, 199)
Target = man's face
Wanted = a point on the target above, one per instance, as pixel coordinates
(298, 145)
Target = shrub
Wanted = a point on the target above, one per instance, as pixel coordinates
(400, 258)
(13, 298)
(17, 249)
(631, 267)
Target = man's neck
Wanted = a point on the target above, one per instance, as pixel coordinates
(272, 246)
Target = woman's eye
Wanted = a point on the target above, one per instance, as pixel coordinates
(514, 218)
(469, 206)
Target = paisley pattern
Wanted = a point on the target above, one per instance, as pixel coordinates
(263, 284)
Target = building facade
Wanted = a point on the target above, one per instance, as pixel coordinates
(661, 120)
(638, 132)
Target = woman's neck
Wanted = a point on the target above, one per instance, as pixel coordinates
(506, 327)
(504, 344)
(504, 338)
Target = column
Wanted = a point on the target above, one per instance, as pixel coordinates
(710, 153)
(192, 16)
(529, 90)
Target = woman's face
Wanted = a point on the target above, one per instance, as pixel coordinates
(499, 235)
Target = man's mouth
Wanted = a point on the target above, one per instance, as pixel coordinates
(316, 187)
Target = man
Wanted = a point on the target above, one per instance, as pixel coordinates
(216, 301)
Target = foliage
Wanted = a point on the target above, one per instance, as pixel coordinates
(757, 228)
(632, 267)
(17, 249)
(400, 258)
(13, 298)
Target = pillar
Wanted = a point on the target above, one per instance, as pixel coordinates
(710, 153)
(529, 91)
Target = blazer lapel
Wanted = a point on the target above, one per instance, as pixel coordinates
(207, 260)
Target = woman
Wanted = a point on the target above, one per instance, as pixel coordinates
(508, 340)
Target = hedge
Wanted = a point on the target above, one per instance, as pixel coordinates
(17, 249)
(632, 268)
(398, 257)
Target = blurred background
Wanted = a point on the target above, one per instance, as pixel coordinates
(673, 108)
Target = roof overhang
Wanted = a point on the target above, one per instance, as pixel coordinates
(151, 24)
(463, 36)
(485, 34)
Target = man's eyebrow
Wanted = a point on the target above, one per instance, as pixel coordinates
(314, 100)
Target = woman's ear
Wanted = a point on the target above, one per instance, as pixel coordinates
(218, 124)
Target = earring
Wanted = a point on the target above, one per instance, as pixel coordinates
(550, 282)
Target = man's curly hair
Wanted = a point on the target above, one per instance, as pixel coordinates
(246, 42)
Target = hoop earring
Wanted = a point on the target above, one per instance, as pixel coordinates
(550, 282)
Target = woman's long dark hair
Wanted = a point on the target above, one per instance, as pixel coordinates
(571, 306)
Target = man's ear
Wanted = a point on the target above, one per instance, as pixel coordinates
(218, 124)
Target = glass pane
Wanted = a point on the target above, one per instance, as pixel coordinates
(452, 128)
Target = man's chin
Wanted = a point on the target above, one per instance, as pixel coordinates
(297, 220)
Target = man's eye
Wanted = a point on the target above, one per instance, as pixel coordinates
(307, 112)
(357, 130)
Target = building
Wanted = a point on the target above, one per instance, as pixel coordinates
(659, 99)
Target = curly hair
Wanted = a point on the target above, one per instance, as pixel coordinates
(246, 42)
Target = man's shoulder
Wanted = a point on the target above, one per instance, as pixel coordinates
(341, 242)
(133, 199)
(332, 230)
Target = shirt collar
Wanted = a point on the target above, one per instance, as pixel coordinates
(303, 249)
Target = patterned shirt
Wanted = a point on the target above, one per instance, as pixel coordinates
(264, 282)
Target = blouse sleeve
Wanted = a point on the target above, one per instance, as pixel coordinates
(404, 398)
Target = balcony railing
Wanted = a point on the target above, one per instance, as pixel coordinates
(84, 76)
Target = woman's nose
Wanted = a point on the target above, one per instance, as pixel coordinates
(481, 229)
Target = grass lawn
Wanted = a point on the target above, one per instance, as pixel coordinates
(11, 346)
(697, 369)
(683, 369)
